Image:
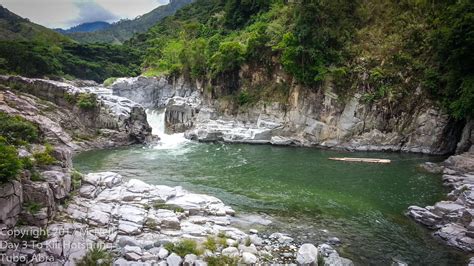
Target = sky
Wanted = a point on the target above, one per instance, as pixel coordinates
(68, 13)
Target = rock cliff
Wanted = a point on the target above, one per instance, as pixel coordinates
(303, 118)
(68, 127)
(109, 120)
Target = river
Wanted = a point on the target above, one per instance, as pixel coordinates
(300, 190)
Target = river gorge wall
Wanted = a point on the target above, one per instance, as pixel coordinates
(304, 118)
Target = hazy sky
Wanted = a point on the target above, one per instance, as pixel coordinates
(67, 13)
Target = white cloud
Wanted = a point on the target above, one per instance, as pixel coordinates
(130, 9)
(67, 13)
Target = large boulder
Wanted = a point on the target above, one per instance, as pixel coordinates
(231, 252)
(103, 179)
(307, 255)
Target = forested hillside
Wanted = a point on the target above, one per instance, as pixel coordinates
(385, 50)
(31, 50)
(123, 30)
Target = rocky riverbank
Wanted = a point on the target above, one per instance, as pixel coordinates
(304, 118)
(452, 219)
(143, 224)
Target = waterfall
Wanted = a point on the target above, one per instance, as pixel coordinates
(156, 119)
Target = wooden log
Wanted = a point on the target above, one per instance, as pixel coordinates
(361, 160)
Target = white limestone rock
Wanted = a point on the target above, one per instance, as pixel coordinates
(231, 252)
(307, 254)
(248, 258)
(174, 260)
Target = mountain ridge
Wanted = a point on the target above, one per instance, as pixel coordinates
(85, 27)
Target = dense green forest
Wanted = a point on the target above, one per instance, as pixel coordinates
(386, 50)
(70, 60)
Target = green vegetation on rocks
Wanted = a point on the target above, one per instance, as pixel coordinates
(162, 205)
(219, 260)
(32, 207)
(95, 257)
(87, 101)
(108, 82)
(45, 157)
(16, 130)
(183, 247)
(10, 164)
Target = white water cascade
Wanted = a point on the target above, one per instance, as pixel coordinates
(156, 119)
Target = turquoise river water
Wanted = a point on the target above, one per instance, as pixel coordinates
(301, 191)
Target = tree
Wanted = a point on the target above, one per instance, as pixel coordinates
(229, 57)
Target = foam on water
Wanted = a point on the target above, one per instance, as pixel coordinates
(156, 119)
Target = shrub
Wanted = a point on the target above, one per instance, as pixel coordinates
(248, 242)
(44, 158)
(70, 98)
(221, 260)
(223, 241)
(151, 224)
(108, 82)
(36, 177)
(76, 178)
(32, 207)
(16, 130)
(86, 101)
(161, 205)
(229, 57)
(96, 256)
(10, 164)
(244, 98)
(27, 163)
(183, 247)
(210, 244)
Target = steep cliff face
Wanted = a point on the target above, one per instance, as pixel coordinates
(303, 117)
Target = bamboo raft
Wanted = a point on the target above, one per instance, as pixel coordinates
(361, 160)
